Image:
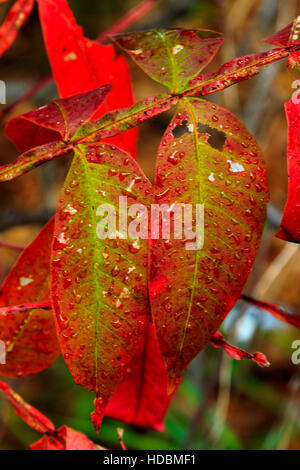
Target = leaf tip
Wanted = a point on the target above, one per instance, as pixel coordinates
(98, 413)
(283, 234)
(261, 359)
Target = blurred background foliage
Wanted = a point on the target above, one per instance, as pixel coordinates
(222, 403)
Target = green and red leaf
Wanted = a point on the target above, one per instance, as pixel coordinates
(206, 157)
(171, 57)
(99, 286)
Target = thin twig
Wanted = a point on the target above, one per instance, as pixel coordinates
(132, 16)
(26, 307)
(11, 246)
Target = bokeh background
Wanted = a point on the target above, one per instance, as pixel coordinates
(222, 403)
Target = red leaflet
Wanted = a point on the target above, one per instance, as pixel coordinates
(31, 344)
(141, 399)
(285, 37)
(56, 121)
(290, 224)
(218, 341)
(80, 64)
(206, 157)
(281, 38)
(33, 417)
(14, 21)
(64, 438)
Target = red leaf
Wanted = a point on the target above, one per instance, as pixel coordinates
(64, 438)
(30, 337)
(72, 55)
(206, 157)
(218, 341)
(30, 415)
(290, 224)
(55, 121)
(141, 399)
(15, 19)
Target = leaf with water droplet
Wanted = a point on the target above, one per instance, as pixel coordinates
(189, 308)
(171, 56)
(106, 323)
